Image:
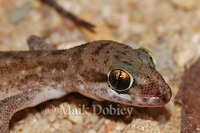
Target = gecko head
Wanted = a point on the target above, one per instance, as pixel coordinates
(136, 81)
(138, 89)
(130, 78)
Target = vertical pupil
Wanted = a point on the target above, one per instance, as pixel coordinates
(119, 80)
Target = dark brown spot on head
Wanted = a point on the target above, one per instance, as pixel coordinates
(57, 52)
(79, 64)
(33, 77)
(97, 51)
(116, 57)
(126, 47)
(60, 65)
(78, 52)
(106, 61)
(83, 45)
(123, 53)
(107, 52)
(10, 55)
(94, 60)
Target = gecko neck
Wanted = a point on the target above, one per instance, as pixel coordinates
(28, 70)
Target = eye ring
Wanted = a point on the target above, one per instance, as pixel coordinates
(120, 79)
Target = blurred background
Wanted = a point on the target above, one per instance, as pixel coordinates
(168, 28)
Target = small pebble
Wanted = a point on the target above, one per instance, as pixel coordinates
(120, 126)
(52, 118)
(77, 128)
(110, 126)
(94, 119)
(186, 4)
(99, 124)
(76, 119)
(56, 125)
(66, 124)
(19, 13)
(142, 128)
(92, 131)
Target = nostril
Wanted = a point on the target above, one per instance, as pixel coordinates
(167, 94)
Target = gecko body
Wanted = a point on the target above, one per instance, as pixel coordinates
(102, 70)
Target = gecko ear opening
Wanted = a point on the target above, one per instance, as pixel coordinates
(145, 56)
(120, 80)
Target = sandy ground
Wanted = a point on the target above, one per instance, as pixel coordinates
(169, 28)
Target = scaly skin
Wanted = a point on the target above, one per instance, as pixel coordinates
(32, 77)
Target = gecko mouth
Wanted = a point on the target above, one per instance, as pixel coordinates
(142, 101)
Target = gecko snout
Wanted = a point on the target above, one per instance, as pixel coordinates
(166, 93)
(160, 98)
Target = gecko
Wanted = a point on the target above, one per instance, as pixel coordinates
(101, 70)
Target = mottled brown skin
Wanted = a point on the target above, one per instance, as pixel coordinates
(31, 77)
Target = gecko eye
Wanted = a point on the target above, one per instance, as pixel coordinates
(120, 80)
